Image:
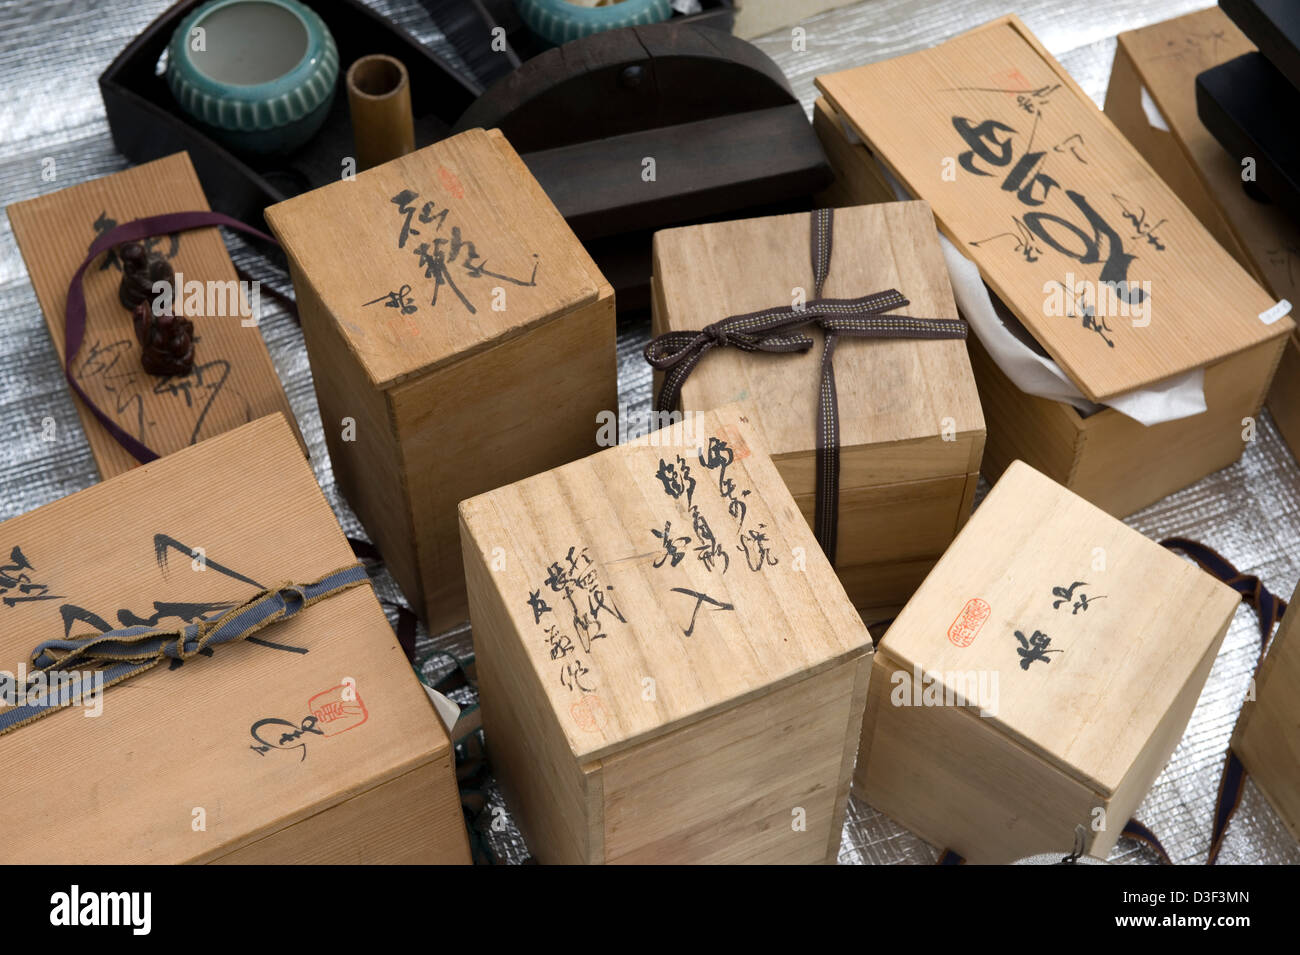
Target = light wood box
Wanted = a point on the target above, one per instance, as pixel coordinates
(1205, 309)
(1267, 737)
(911, 431)
(977, 750)
(460, 395)
(1165, 58)
(168, 772)
(684, 732)
(754, 18)
(233, 381)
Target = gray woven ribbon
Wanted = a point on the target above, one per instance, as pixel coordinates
(104, 659)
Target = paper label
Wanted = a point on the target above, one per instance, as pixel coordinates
(1280, 310)
(448, 711)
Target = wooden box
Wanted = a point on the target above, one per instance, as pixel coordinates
(1152, 99)
(911, 431)
(1092, 253)
(669, 670)
(1040, 678)
(754, 18)
(1267, 737)
(310, 742)
(233, 381)
(460, 339)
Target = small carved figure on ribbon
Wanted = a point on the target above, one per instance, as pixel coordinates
(166, 341)
(141, 269)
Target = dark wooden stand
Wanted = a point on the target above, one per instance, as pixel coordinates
(726, 135)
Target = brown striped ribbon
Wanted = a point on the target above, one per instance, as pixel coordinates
(778, 330)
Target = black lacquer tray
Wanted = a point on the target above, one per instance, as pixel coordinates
(147, 123)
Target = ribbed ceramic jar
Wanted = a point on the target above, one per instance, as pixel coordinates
(559, 21)
(257, 75)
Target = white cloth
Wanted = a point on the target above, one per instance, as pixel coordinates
(1037, 374)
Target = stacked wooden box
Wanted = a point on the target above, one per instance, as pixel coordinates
(1031, 182)
(460, 339)
(911, 431)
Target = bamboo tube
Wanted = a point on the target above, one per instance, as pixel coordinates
(379, 98)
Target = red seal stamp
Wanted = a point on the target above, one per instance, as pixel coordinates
(338, 710)
(451, 182)
(589, 713)
(964, 629)
(1010, 80)
(737, 444)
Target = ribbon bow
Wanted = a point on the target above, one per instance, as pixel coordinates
(121, 654)
(777, 330)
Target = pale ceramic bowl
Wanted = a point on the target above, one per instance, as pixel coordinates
(257, 75)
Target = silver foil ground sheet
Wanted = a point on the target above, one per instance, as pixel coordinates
(51, 54)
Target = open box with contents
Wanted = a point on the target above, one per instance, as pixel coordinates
(147, 122)
(1099, 269)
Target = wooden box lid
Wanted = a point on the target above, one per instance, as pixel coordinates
(1167, 57)
(1035, 184)
(233, 380)
(1113, 668)
(888, 390)
(459, 233)
(171, 741)
(590, 534)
